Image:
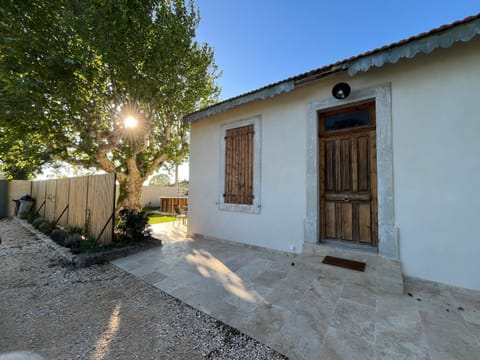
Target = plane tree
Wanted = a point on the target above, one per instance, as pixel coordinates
(101, 83)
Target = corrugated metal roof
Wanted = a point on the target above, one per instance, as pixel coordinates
(443, 36)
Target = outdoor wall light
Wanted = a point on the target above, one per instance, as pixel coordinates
(341, 90)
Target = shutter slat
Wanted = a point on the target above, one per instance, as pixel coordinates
(239, 165)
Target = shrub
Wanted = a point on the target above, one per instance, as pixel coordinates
(70, 230)
(58, 235)
(36, 223)
(73, 242)
(133, 225)
(46, 227)
(32, 216)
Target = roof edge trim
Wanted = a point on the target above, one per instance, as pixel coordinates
(266, 93)
(463, 32)
(442, 37)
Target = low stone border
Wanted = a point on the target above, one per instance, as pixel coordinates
(89, 259)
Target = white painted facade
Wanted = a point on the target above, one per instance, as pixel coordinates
(435, 133)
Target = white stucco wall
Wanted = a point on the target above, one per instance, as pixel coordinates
(279, 225)
(436, 149)
(437, 166)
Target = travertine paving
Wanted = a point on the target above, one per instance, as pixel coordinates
(100, 312)
(308, 310)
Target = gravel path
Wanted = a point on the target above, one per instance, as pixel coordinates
(100, 312)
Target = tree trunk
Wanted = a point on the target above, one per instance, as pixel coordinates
(130, 192)
(177, 184)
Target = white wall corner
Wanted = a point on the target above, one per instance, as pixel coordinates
(388, 242)
(310, 229)
(311, 221)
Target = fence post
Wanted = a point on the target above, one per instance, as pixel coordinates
(114, 205)
(40, 208)
(3, 198)
(58, 219)
(111, 218)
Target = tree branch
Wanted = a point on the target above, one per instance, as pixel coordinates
(72, 161)
(159, 160)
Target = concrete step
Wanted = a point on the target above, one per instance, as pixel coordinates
(384, 274)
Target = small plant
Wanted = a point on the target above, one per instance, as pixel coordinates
(149, 207)
(133, 225)
(86, 227)
(70, 230)
(36, 223)
(46, 227)
(89, 244)
(73, 242)
(58, 235)
(32, 216)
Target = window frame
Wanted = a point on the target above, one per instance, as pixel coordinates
(255, 207)
(322, 115)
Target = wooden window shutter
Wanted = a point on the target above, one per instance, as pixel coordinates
(239, 165)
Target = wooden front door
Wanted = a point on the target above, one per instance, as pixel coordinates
(348, 174)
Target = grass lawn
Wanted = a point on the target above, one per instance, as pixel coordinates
(89, 246)
(158, 219)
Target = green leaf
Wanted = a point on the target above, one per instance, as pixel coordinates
(71, 71)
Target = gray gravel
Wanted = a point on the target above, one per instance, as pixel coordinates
(100, 312)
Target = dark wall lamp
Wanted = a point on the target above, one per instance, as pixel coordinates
(341, 90)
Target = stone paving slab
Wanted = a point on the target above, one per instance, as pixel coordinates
(309, 310)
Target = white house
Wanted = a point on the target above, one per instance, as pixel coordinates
(392, 167)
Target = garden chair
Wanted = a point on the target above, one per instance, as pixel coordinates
(179, 214)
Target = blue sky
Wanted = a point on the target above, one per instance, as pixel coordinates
(258, 42)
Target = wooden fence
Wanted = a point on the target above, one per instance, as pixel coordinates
(151, 194)
(17, 189)
(166, 203)
(87, 202)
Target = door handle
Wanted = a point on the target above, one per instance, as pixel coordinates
(346, 199)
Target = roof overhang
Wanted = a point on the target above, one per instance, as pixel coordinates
(261, 94)
(463, 32)
(442, 37)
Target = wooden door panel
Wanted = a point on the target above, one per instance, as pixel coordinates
(330, 183)
(346, 221)
(364, 222)
(345, 164)
(349, 196)
(373, 186)
(348, 199)
(363, 168)
(330, 223)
